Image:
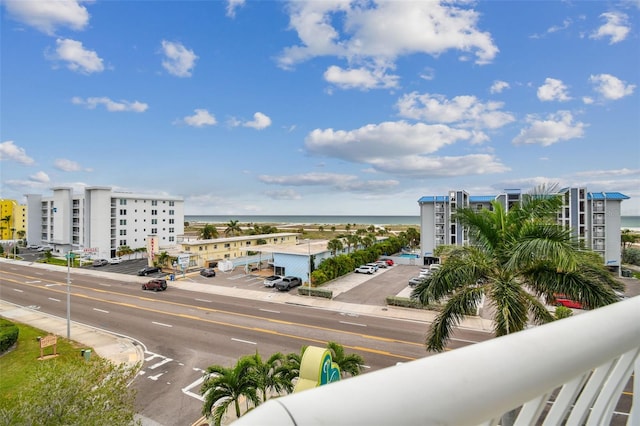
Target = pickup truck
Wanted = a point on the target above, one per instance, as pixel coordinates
(288, 282)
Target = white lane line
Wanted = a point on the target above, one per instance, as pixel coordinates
(159, 323)
(51, 285)
(158, 364)
(101, 310)
(204, 300)
(269, 310)
(155, 377)
(244, 341)
(33, 282)
(55, 300)
(18, 290)
(187, 390)
(353, 323)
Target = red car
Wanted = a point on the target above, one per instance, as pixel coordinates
(389, 262)
(562, 300)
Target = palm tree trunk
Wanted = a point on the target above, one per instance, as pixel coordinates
(237, 403)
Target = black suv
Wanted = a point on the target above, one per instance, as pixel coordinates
(207, 272)
(155, 285)
(288, 282)
(148, 270)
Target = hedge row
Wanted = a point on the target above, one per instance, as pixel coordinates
(405, 302)
(315, 291)
(8, 334)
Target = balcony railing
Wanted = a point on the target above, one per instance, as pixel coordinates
(571, 372)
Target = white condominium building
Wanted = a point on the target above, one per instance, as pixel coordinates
(100, 220)
(593, 217)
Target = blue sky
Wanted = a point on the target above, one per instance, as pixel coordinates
(330, 107)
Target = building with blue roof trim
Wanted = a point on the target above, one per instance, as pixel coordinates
(593, 217)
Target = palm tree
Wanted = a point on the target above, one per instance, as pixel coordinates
(352, 240)
(163, 257)
(223, 386)
(350, 364)
(334, 246)
(232, 228)
(517, 258)
(208, 232)
(271, 374)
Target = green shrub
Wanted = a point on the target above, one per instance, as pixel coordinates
(631, 256)
(563, 312)
(8, 334)
(315, 291)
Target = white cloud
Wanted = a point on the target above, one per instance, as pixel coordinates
(68, 165)
(360, 78)
(201, 118)
(285, 194)
(374, 34)
(553, 90)
(616, 27)
(110, 105)
(557, 127)
(611, 87)
(499, 86)
(555, 28)
(260, 121)
(382, 141)
(40, 177)
(232, 5)
(338, 181)
(9, 151)
(179, 60)
(76, 56)
(47, 15)
(425, 167)
(465, 111)
(587, 100)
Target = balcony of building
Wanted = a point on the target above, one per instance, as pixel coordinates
(576, 371)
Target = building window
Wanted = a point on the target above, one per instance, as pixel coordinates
(200, 248)
(123, 212)
(171, 230)
(171, 221)
(154, 221)
(154, 230)
(123, 232)
(154, 202)
(171, 212)
(123, 243)
(123, 202)
(123, 221)
(171, 239)
(248, 243)
(227, 245)
(154, 212)
(187, 248)
(215, 246)
(171, 203)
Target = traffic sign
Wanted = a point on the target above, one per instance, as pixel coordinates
(70, 256)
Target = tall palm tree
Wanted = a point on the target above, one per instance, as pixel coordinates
(517, 257)
(350, 364)
(208, 232)
(232, 228)
(334, 246)
(271, 374)
(224, 386)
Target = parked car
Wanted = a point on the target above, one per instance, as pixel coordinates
(382, 264)
(434, 267)
(364, 269)
(415, 281)
(44, 248)
(288, 282)
(155, 284)
(388, 261)
(562, 300)
(115, 260)
(208, 272)
(425, 272)
(33, 246)
(272, 280)
(148, 270)
(375, 266)
(100, 262)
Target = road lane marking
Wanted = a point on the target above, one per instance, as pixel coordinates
(101, 310)
(18, 290)
(243, 341)
(187, 389)
(55, 300)
(204, 300)
(269, 310)
(161, 363)
(162, 324)
(353, 323)
(33, 282)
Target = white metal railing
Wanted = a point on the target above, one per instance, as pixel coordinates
(583, 363)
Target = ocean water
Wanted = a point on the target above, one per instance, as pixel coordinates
(302, 219)
(630, 222)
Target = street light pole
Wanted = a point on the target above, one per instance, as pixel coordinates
(68, 295)
(309, 264)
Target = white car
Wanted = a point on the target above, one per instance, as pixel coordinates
(364, 269)
(115, 260)
(272, 280)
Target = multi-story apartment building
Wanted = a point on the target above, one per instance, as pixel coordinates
(593, 217)
(99, 220)
(13, 219)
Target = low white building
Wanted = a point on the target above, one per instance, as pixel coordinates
(99, 220)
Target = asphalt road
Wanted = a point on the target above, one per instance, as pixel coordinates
(183, 332)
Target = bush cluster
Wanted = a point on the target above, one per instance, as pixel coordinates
(631, 256)
(8, 334)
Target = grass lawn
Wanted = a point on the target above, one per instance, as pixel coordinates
(19, 364)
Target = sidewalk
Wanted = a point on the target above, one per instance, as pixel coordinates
(123, 349)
